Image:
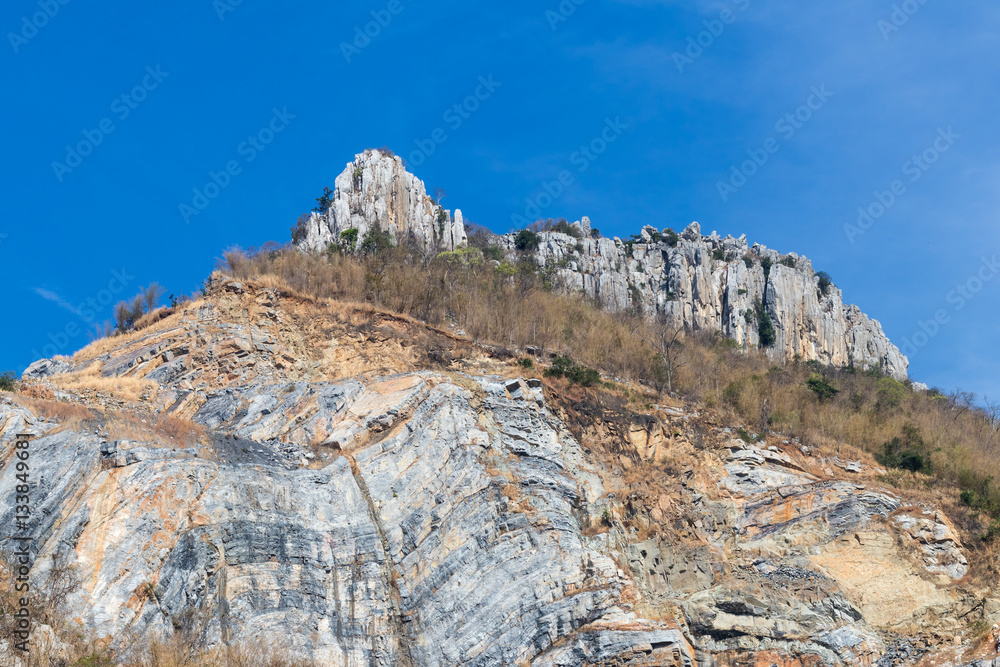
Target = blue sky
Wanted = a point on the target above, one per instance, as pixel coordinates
(212, 74)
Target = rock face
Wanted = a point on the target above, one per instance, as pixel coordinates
(703, 283)
(301, 474)
(376, 192)
(708, 283)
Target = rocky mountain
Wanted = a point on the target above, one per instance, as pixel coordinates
(708, 283)
(703, 283)
(376, 192)
(369, 490)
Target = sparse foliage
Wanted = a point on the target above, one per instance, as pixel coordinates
(151, 296)
(324, 201)
(667, 343)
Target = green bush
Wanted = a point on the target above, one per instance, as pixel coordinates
(526, 362)
(324, 201)
(824, 390)
(889, 392)
(748, 260)
(494, 252)
(8, 381)
(719, 255)
(671, 237)
(765, 327)
(375, 242)
(788, 261)
(765, 263)
(349, 240)
(824, 282)
(576, 374)
(906, 452)
(526, 240)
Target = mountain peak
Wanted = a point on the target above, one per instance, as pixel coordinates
(375, 192)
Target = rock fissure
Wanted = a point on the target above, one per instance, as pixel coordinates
(403, 642)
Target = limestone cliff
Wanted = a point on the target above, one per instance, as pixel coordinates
(708, 283)
(376, 191)
(372, 491)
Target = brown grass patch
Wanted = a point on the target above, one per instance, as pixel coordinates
(161, 319)
(123, 388)
(71, 416)
(154, 429)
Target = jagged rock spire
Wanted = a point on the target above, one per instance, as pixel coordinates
(375, 191)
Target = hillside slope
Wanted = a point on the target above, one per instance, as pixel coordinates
(370, 490)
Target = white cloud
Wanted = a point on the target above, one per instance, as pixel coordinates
(49, 295)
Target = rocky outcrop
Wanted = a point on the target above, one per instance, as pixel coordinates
(708, 283)
(376, 192)
(302, 475)
(703, 283)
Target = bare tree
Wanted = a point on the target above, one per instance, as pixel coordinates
(991, 413)
(151, 296)
(961, 402)
(667, 342)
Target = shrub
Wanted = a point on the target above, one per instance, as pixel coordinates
(526, 240)
(788, 261)
(8, 381)
(324, 201)
(151, 296)
(890, 394)
(719, 255)
(299, 231)
(563, 366)
(494, 252)
(563, 227)
(748, 260)
(671, 237)
(526, 362)
(765, 327)
(375, 242)
(824, 390)
(127, 313)
(765, 263)
(906, 452)
(824, 282)
(595, 233)
(349, 240)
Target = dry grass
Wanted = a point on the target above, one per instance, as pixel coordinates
(90, 379)
(158, 320)
(71, 416)
(154, 429)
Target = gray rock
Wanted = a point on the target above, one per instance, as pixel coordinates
(44, 368)
(377, 192)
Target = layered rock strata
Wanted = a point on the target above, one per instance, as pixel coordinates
(336, 490)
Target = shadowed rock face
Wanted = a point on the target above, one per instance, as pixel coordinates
(449, 517)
